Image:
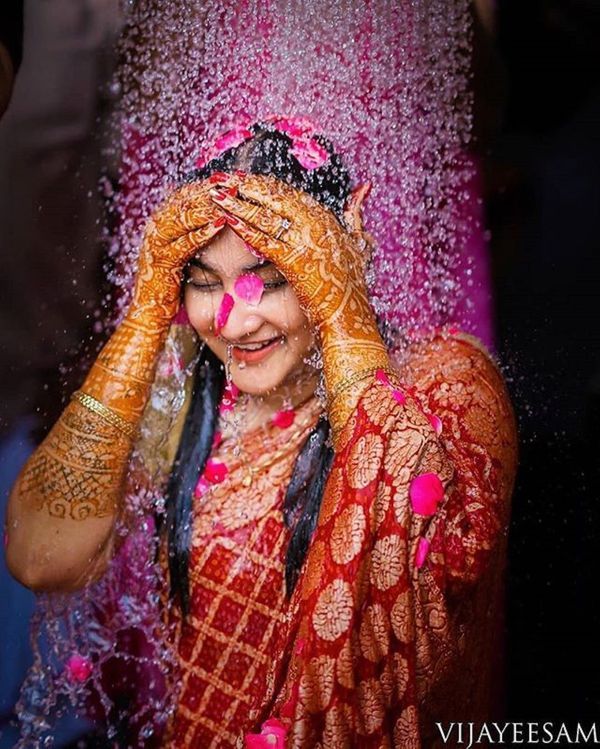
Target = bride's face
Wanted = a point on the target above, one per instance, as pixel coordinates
(276, 322)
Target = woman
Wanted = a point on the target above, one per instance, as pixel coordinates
(334, 570)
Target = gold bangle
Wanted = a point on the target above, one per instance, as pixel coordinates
(362, 375)
(106, 413)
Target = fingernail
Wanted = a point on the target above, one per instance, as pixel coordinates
(232, 220)
(239, 173)
(217, 195)
(233, 191)
(221, 221)
(217, 177)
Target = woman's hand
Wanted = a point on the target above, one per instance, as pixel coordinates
(325, 264)
(173, 235)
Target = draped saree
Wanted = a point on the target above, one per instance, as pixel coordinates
(396, 620)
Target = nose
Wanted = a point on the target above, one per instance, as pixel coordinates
(242, 321)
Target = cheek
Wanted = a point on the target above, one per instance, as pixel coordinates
(289, 317)
(200, 309)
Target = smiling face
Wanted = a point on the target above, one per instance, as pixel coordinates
(270, 339)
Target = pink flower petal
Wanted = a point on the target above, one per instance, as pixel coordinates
(454, 330)
(181, 318)
(436, 423)
(289, 708)
(422, 551)
(217, 439)
(300, 645)
(201, 487)
(258, 741)
(426, 491)
(284, 418)
(79, 669)
(295, 127)
(309, 153)
(382, 377)
(249, 288)
(222, 314)
(231, 139)
(274, 727)
(398, 396)
(215, 471)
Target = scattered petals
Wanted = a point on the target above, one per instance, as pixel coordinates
(309, 153)
(215, 471)
(249, 288)
(79, 669)
(284, 418)
(426, 491)
(230, 395)
(422, 551)
(222, 314)
(436, 423)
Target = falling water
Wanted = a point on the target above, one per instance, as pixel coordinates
(387, 82)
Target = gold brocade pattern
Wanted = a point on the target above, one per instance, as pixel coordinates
(238, 603)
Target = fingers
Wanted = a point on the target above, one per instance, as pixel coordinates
(256, 216)
(186, 247)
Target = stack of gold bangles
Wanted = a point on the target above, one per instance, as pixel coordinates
(110, 416)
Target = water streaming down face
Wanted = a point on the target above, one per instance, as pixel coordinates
(387, 83)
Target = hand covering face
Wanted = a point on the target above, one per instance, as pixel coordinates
(325, 264)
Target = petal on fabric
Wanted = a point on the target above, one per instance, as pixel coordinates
(181, 318)
(382, 377)
(215, 472)
(258, 741)
(422, 551)
(436, 423)
(201, 487)
(398, 396)
(284, 418)
(426, 491)
(309, 153)
(274, 727)
(288, 709)
(78, 668)
(222, 314)
(249, 288)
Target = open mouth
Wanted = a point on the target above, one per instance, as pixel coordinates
(254, 352)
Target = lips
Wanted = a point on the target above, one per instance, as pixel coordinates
(251, 356)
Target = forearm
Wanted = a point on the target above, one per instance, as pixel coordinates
(63, 506)
(350, 359)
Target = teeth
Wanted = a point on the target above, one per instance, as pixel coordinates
(255, 346)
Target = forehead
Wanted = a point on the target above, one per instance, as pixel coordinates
(227, 253)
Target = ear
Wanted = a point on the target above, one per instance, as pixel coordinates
(353, 208)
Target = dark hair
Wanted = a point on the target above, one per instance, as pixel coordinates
(267, 152)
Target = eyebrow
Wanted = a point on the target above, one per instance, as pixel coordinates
(197, 262)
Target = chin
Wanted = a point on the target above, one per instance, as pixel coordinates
(259, 380)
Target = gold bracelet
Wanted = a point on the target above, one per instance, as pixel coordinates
(362, 375)
(106, 413)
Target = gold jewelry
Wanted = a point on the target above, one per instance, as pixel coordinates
(357, 377)
(106, 413)
(284, 226)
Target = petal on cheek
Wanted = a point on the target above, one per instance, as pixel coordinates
(222, 314)
(249, 288)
